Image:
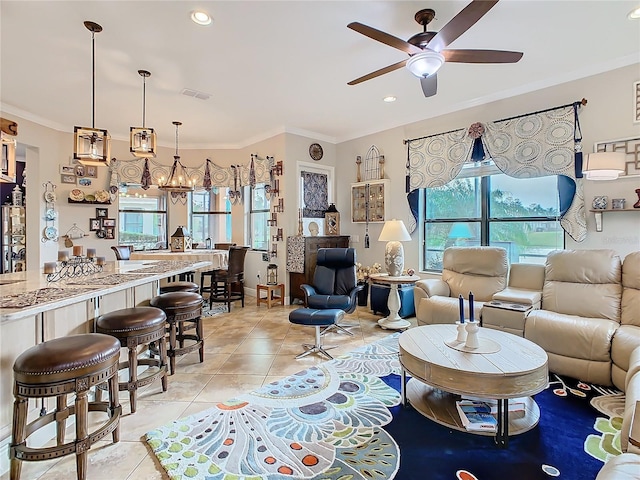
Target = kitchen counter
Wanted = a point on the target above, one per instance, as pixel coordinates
(218, 258)
(116, 276)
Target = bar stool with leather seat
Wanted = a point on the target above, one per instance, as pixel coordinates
(226, 285)
(181, 308)
(57, 368)
(134, 327)
(180, 286)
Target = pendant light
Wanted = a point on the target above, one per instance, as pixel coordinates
(142, 140)
(92, 145)
(178, 181)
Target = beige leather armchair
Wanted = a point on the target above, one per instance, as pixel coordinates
(481, 270)
(580, 313)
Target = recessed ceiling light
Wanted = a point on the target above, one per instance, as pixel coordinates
(389, 98)
(634, 14)
(201, 17)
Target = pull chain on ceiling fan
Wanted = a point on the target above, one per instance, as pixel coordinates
(427, 50)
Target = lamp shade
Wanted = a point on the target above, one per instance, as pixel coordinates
(425, 63)
(604, 165)
(394, 230)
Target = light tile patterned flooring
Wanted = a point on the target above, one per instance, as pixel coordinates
(244, 349)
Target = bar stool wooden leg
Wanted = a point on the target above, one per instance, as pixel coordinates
(82, 434)
(200, 336)
(114, 405)
(162, 344)
(172, 347)
(19, 432)
(133, 377)
(62, 413)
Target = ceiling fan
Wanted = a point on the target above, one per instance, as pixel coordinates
(427, 50)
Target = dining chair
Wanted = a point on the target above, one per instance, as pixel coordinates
(123, 252)
(226, 285)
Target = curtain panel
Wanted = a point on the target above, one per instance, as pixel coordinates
(315, 189)
(534, 145)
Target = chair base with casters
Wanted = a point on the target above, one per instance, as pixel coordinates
(317, 319)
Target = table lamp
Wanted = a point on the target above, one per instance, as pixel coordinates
(394, 232)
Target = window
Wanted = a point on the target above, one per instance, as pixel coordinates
(258, 216)
(520, 215)
(210, 216)
(142, 218)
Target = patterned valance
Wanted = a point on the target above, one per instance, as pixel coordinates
(131, 171)
(533, 145)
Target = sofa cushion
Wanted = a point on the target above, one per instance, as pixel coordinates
(577, 346)
(586, 283)
(481, 270)
(519, 295)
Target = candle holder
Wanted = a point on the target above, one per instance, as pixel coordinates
(74, 267)
(462, 333)
(472, 335)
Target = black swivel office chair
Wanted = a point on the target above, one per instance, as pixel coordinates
(334, 282)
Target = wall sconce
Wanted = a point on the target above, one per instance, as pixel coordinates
(142, 140)
(604, 165)
(92, 145)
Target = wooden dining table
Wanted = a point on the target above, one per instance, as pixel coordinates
(218, 258)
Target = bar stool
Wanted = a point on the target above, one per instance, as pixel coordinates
(181, 307)
(134, 327)
(56, 368)
(181, 286)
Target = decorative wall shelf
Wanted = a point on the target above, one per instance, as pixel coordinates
(598, 214)
(88, 202)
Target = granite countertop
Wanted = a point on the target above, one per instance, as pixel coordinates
(28, 293)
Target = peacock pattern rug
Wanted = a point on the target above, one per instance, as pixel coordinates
(343, 420)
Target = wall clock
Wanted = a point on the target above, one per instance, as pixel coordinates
(315, 151)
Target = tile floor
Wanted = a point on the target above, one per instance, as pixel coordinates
(244, 349)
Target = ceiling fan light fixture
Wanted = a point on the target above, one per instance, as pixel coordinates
(201, 17)
(425, 64)
(604, 165)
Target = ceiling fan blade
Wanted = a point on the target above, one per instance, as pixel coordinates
(385, 38)
(429, 85)
(481, 56)
(459, 24)
(377, 73)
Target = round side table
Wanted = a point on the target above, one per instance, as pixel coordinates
(393, 321)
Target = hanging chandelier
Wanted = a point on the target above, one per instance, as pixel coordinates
(178, 180)
(142, 140)
(92, 145)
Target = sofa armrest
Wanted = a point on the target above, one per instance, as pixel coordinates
(431, 287)
(519, 295)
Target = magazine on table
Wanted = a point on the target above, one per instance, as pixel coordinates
(480, 414)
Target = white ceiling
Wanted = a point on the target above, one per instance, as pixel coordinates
(273, 66)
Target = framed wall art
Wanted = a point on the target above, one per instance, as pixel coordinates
(68, 179)
(94, 224)
(102, 212)
(108, 222)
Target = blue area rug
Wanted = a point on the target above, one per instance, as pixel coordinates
(343, 420)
